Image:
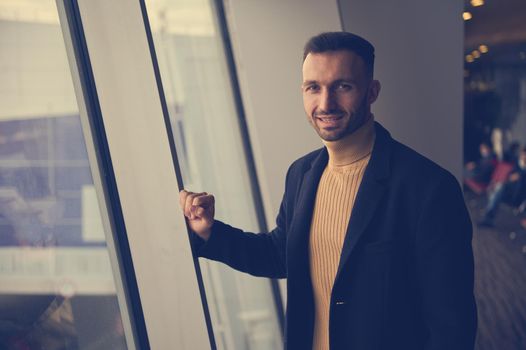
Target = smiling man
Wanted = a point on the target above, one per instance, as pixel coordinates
(373, 238)
(338, 91)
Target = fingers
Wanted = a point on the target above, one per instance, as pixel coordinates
(195, 204)
(189, 204)
(205, 200)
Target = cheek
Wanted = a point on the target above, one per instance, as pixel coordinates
(350, 103)
(346, 103)
(309, 104)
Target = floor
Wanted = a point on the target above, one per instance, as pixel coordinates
(500, 279)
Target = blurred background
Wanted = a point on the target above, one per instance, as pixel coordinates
(495, 165)
(454, 88)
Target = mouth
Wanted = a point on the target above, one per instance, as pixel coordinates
(329, 120)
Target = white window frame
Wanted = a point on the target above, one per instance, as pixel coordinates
(129, 99)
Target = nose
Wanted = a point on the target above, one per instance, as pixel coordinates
(327, 100)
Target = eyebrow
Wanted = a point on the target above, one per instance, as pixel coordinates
(309, 82)
(350, 80)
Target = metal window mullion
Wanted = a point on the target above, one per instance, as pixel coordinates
(176, 166)
(102, 174)
(132, 115)
(219, 12)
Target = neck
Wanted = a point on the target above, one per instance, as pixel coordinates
(352, 147)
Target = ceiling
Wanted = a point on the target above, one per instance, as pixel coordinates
(501, 25)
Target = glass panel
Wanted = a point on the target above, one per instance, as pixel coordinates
(200, 101)
(57, 289)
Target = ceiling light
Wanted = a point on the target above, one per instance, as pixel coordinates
(466, 15)
(483, 48)
(477, 3)
(469, 58)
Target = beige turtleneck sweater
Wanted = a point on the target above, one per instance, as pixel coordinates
(335, 197)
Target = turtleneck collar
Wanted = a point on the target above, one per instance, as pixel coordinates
(352, 147)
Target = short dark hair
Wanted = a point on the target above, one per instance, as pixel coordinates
(336, 41)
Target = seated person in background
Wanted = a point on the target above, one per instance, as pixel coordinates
(481, 170)
(512, 153)
(512, 191)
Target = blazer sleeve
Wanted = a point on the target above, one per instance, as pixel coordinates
(259, 254)
(446, 269)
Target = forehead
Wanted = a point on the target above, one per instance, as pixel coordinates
(333, 65)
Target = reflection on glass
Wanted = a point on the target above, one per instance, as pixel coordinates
(209, 146)
(56, 285)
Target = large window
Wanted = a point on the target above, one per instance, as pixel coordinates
(205, 125)
(57, 288)
(88, 191)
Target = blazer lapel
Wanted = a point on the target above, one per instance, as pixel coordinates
(300, 226)
(303, 214)
(369, 194)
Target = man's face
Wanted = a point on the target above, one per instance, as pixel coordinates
(337, 93)
(484, 150)
(522, 159)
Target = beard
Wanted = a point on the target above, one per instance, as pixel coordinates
(353, 122)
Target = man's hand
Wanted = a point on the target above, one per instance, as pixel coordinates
(515, 177)
(471, 166)
(199, 210)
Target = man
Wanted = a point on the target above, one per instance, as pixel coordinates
(481, 171)
(511, 191)
(478, 175)
(373, 238)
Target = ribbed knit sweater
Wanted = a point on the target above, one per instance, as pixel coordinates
(335, 198)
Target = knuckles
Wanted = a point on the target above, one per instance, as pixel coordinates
(188, 200)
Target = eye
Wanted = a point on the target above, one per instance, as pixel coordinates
(311, 88)
(344, 86)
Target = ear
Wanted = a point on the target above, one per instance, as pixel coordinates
(374, 91)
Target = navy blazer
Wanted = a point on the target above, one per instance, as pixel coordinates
(405, 277)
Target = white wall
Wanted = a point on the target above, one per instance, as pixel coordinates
(419, 51)
(267, 39)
